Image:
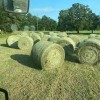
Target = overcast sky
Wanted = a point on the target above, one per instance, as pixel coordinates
(51, 8)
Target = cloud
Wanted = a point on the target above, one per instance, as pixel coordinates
(46, 10)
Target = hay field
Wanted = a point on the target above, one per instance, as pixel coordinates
(20, 78)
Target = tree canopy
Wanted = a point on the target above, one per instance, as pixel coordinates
(78, 17)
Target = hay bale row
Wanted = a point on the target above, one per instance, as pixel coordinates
(88, 52)
(48, 55)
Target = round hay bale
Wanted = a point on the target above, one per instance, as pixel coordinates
(97, 37)
(46, 37)
(54, 39)
(68, 45)
(88, 52)
(75, 38)
(12, 40)
(41, 34)
(62, 34)
(24, 33)
(66, 41)
(53, 34)
(48, 55)
(91, 35)
(35, 37)
(25, 42)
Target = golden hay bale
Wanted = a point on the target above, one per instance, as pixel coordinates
(12, 40)
(88, 52)
(75, 38)
(25, 42)
(48, 55)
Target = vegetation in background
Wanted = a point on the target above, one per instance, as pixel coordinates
(78, 17)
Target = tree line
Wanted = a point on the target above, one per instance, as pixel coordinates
(78, 17)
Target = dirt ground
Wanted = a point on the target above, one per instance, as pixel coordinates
(20, 80)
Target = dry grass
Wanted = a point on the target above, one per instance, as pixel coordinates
(22, 81)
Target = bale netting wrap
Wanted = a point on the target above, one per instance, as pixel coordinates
(48, 55)
(75, 38)
(54, 39)
(12, 41)
(35, 37)
(89, 51)
(25, 42)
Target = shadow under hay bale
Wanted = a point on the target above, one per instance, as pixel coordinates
(24, 60)
(5, 94)
(70, 54)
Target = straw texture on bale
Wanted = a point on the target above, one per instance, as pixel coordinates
(88, 52)
(46, 37)
(48, 55)
(12, 41)
(91, 35)
(54, 39)
(25, 42)
(35, 37)
(66, 41)
(75, 38)
(62, 34)
(41, 34)
(53, 34)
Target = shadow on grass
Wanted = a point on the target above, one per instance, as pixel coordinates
(5, 93)
(25, 60)
(4, 45)
(70, 54)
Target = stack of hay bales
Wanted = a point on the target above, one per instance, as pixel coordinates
(89, 51)
(48, 55)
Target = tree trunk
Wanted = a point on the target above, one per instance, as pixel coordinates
(77, 31)
(92, 31)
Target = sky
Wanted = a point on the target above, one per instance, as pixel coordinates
(51, 8)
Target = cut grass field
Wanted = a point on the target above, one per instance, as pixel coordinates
(23, 81)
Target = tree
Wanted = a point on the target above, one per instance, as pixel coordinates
(46, 23)
(75, 18)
